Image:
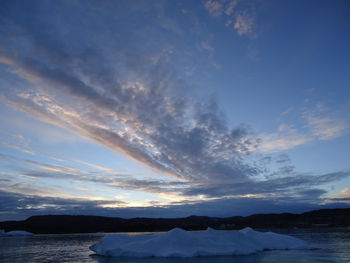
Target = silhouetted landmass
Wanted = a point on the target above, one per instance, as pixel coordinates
(59, 224)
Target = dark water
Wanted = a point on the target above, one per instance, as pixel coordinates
(334, 246)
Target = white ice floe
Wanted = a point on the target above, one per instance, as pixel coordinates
(181, 243)
(15, 233)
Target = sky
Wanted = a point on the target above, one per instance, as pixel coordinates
(173, 108)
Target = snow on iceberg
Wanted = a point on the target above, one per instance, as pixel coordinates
(181, 243)
(15, 233)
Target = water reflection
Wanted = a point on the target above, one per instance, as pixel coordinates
(226, 259)
(334, 243)
(285, 256)
(274, 256)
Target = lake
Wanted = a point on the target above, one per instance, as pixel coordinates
(334, 246)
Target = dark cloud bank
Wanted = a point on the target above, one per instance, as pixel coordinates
(17, 207)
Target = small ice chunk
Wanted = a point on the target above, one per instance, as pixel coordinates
(15, 233)
(180, 243)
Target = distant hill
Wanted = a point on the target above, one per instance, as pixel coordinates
(59, 224)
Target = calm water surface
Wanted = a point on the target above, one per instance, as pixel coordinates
(334, 246)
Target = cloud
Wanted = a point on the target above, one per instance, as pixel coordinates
(230, 7)
(25, 168)
(275, 187)
(281, 141)
(243, 24)
(143, 118)
(326, 127)
(5, 60)
(344, 193)
(98, 167)
(342, 197)
(104, 82)
(215, 8)
(16, 147)
(166, 21)
(14, 205)
(283, 183)
(319, 123)
(236, 13)
(17, 206)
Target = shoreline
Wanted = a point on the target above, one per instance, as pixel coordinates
(72, 224)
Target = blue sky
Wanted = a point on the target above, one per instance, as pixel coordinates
(173, 108)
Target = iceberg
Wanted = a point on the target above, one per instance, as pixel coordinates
(180, 243)
(15, 233)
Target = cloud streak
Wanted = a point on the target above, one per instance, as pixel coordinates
(236, 14)
(283, 185)
(319, 124)
(142, 118)
(38, 170)
(21, 206)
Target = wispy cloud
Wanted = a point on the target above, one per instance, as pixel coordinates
(243, 24)
(344, 193)
(20, 206)
(325, 126)
(230, 7)
(342, 197)
(99, 167)
(5, 60)
(282, 140)
(318, 123)
(283, 183)
(141, 118)
(235, 14)
(113, 179)
(16, 147)
(215, 8)
(285, 186)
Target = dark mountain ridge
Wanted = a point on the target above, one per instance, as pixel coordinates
(59, 224)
